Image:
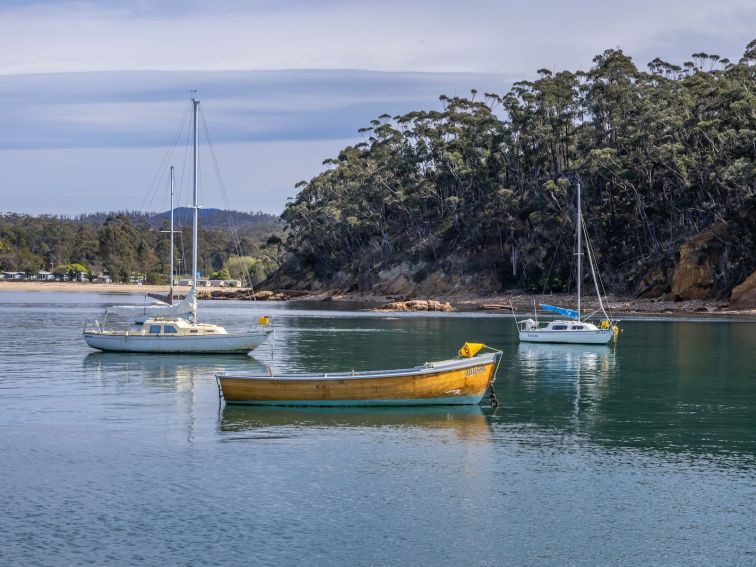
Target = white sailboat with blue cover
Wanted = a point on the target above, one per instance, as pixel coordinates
(575, 329)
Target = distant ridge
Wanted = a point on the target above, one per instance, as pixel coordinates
(125, 243)
(209, 218)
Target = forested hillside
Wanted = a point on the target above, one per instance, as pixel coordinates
(208, 218)
(126, 244)
(479, 194)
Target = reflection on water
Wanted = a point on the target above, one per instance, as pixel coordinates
(566, 362)
(368, 342)
(677, 387)
(466, 422)
(655, 389)
(580, 372)
(104, 453)
(161, 366)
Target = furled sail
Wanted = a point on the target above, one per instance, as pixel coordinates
(163, 298)
(187, 307)
(561, 310)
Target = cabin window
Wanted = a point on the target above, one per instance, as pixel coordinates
(559, 327)
(192, 330)
(577, 327)
(154, 329)
(169, 329)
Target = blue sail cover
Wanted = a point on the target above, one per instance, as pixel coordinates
(561, 310)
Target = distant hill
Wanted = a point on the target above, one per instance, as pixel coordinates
(126, 243)
(210, 219)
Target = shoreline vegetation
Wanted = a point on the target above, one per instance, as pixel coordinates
(126, 246)
(480, 195)
(489, 302)
(474, 203)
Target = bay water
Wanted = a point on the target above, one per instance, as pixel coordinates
(643, 453)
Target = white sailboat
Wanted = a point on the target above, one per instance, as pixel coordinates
(576, 329)
(175, 333)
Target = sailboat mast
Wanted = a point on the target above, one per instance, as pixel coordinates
(195, 219)
(171, 260)
(579, 249)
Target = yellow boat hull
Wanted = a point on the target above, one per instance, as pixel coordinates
(452, 383)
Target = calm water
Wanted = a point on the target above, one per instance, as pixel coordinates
(640, 455)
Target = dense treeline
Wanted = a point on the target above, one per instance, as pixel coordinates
(483, 190)
(127, 244)
(209, 218)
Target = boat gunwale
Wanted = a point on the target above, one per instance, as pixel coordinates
(366, 403)
(594, 331)
(422, 370)
(125, 334)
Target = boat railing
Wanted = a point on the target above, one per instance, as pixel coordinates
(527, 325)
(92, 326)
(97, 326)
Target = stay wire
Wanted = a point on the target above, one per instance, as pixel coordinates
(162, 168)
(226, 203)
(182, 183)
(594, 267)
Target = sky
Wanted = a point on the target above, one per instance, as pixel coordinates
(92, 93)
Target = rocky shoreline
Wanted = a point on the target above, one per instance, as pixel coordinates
(523, 303)
(742, 302)
(501, 302)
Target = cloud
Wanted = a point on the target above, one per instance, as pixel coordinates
(81, 142)
(91, 92)
(144, 108)
(504, 36)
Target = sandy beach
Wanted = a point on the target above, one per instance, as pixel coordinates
(87, 287)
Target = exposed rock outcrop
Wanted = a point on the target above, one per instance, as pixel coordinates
(416, 305)
(292, 277)
(744, 295)
(655, 283)
(394, 281)
(247, 295)
(694, 274)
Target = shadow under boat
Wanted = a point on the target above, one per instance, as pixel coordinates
(465, 421)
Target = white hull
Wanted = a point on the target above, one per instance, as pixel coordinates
(204, 344)
(587, 337)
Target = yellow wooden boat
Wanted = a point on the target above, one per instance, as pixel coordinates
(458, 381)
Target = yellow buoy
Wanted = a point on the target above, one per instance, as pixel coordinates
(469, 350)
(264, 320)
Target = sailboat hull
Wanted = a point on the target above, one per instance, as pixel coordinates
(587, 337)
(203, 344)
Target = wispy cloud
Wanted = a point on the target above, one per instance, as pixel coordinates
(143, 108)
(391, 35)
(92, 91)
(95, 141)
